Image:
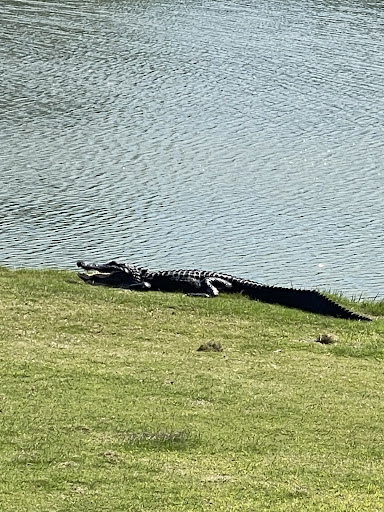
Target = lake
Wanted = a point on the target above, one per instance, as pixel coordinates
(237, 136)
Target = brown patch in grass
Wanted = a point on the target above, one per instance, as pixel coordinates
(326, 338)
(211, 346)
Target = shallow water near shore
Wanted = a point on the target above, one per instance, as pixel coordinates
(244, 137)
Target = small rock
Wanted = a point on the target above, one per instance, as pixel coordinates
(326, 338)
(211, 346)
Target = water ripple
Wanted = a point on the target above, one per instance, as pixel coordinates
(227, 136)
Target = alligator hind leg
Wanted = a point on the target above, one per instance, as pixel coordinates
(188, 285)
(194, 287)
(211, 286)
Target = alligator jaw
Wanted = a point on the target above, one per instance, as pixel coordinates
(89, 278)
(114, 279)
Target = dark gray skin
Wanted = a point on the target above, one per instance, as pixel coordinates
(209, 284)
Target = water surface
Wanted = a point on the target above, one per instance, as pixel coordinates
(239, 136)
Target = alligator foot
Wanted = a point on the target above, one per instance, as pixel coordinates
(212, 286)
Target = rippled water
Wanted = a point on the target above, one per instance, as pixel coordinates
(239, 136)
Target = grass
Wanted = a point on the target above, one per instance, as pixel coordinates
(107, 403)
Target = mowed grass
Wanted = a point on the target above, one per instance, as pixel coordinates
(108, 405)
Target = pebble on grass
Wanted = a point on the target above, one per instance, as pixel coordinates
(326, 338)
(211, 346)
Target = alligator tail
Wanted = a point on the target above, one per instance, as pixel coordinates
(307, 300)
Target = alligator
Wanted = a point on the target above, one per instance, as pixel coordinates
(209, 284)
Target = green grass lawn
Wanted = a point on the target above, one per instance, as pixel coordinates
(108, 405)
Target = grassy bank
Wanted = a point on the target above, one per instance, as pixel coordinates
(108, 405)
